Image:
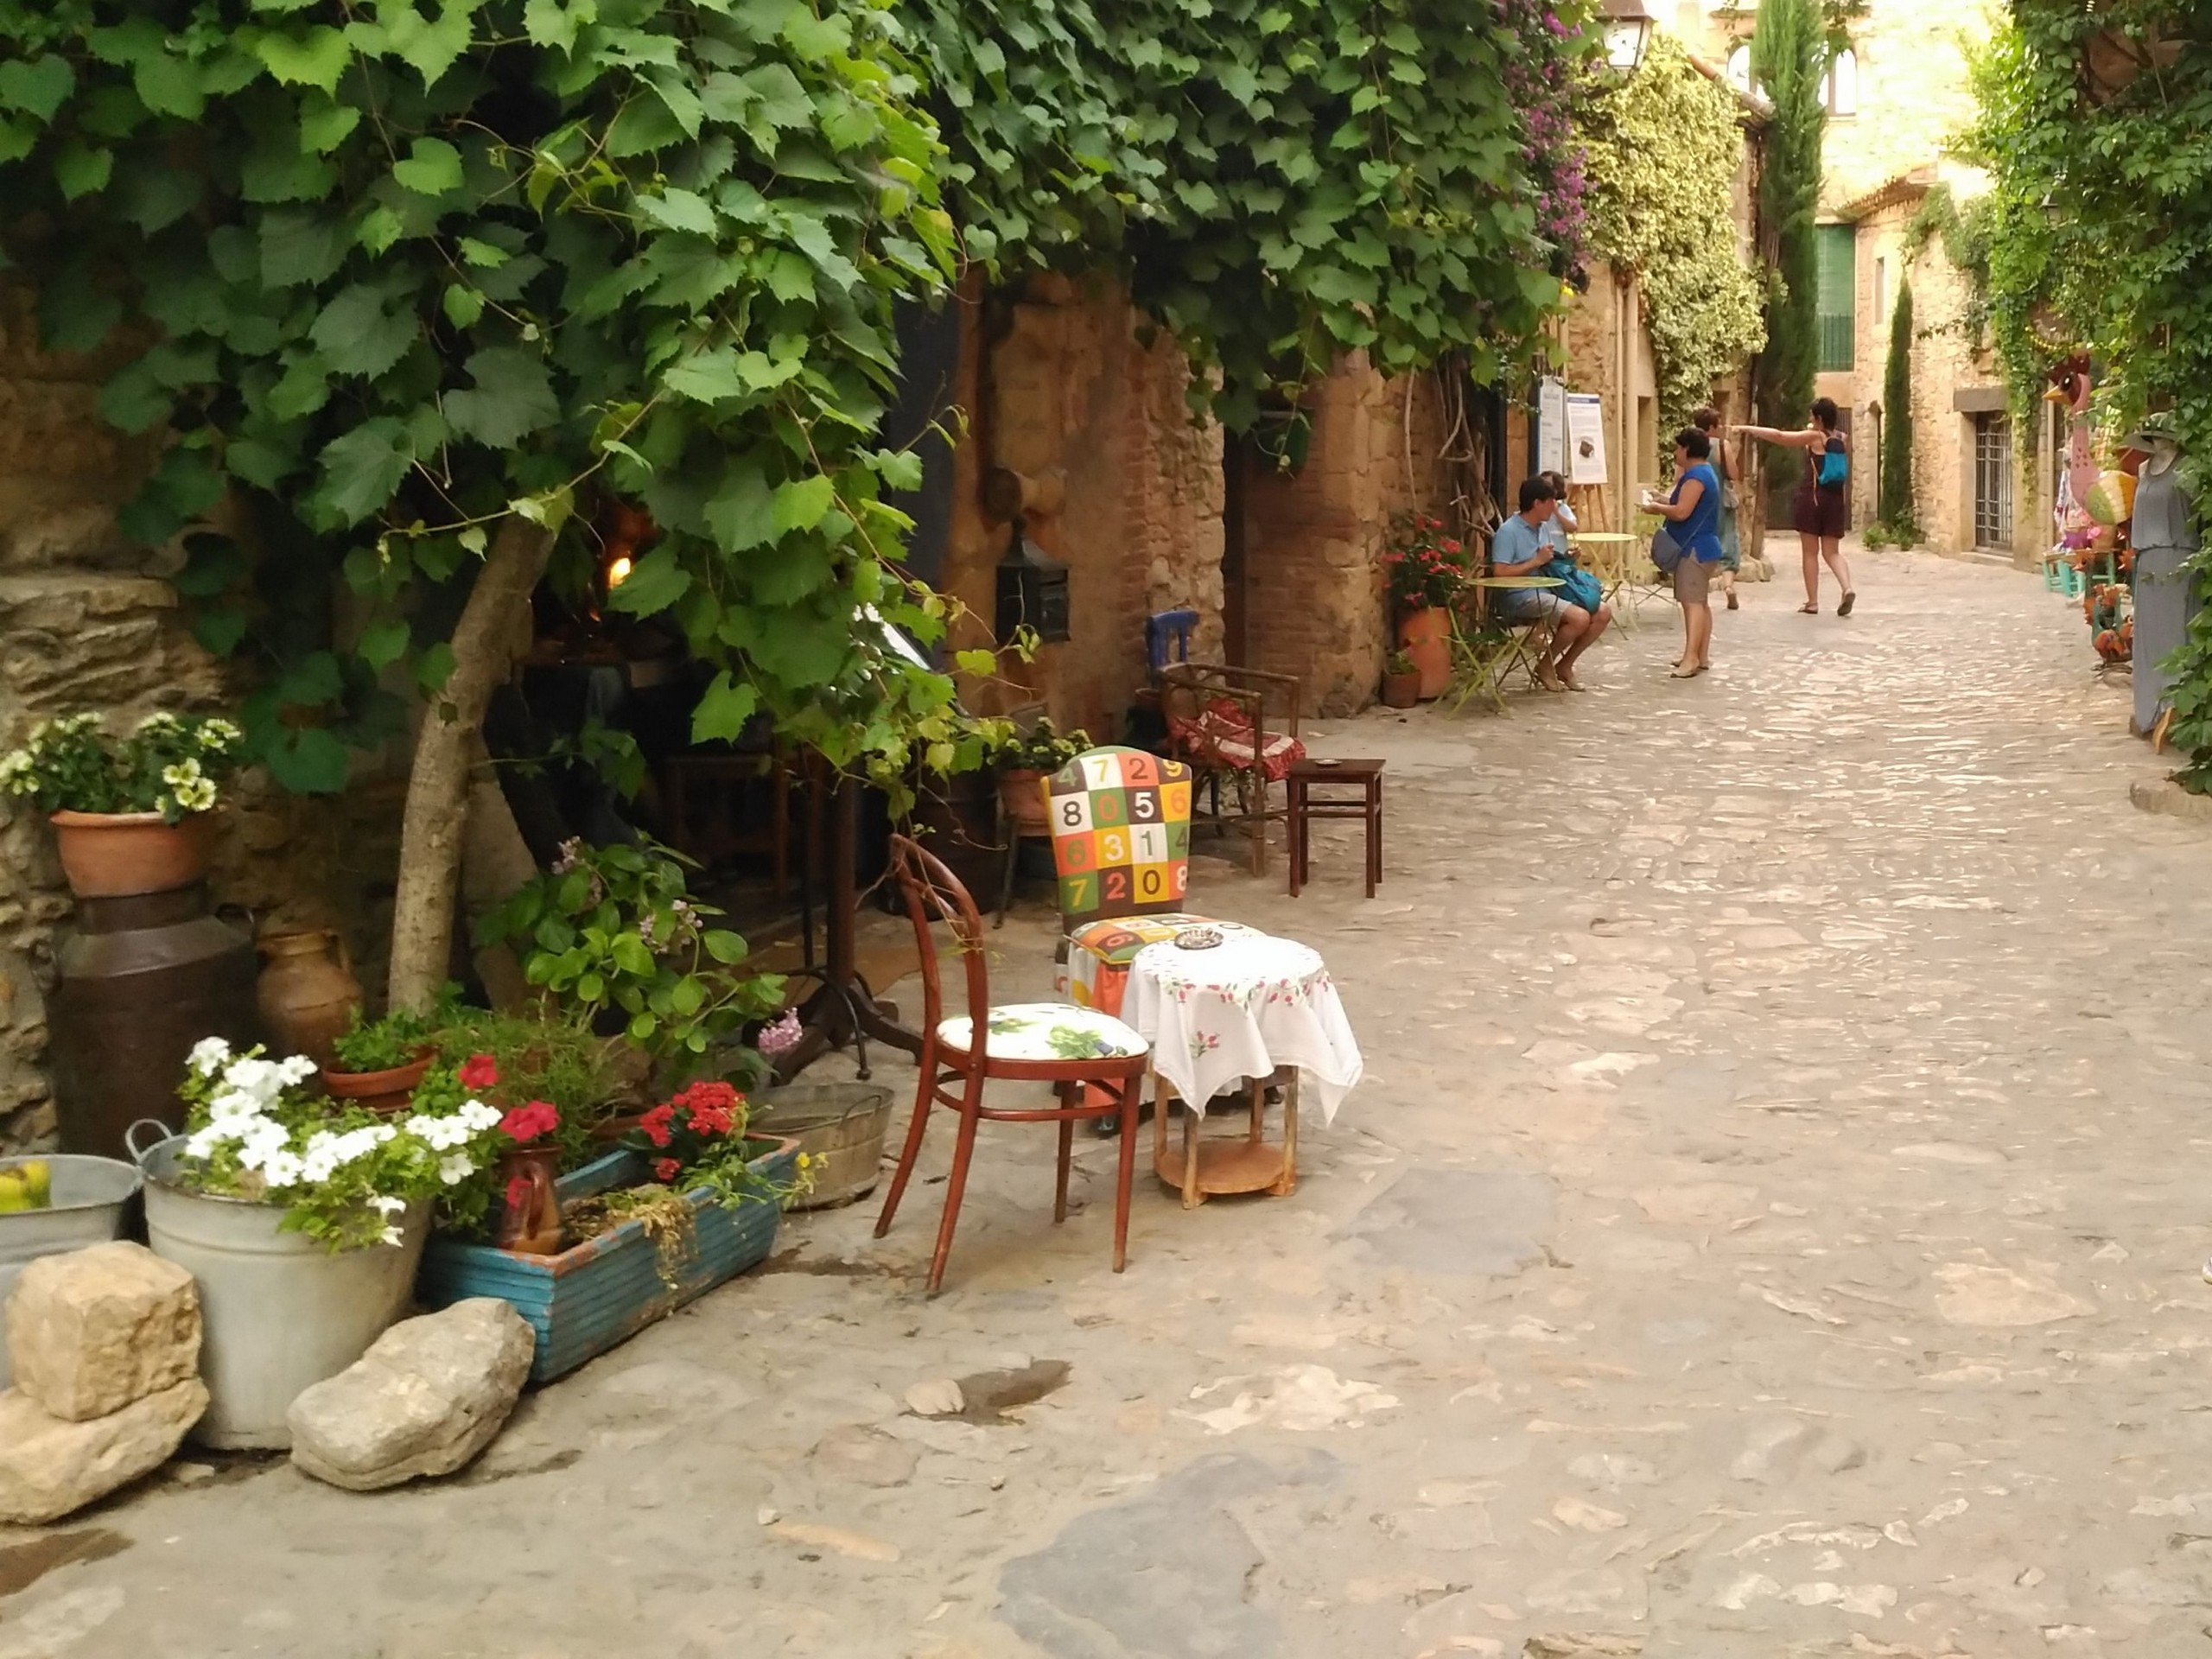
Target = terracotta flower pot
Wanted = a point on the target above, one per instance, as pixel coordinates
(1019, 789)
(1426, 636)
(122, 854)
(1401, 691)
(386, 1092)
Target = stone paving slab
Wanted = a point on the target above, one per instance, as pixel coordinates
(1770, 1226)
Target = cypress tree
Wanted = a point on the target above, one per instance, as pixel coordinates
(1789, 53)
(1895, 509)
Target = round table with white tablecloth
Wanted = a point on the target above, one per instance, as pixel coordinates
(1251, 1008)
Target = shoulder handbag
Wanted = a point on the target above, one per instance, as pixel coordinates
(1836, 466)
(1666, 551)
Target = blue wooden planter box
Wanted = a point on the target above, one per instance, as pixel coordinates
(601, 1293)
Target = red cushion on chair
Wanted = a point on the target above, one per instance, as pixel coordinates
(1221, 735)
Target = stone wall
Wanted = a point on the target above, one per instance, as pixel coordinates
(86, 622)
(1124, 485)
(1315, 600)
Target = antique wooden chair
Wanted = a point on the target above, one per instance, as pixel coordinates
(1095, 1063)
(1238, 727)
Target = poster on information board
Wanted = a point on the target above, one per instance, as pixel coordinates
(1585, 438)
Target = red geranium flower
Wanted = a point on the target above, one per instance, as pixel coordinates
(655, 1123)
(527, 1123)
(667, 1168)
(478, 1072)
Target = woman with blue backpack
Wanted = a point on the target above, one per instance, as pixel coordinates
(1821, 507)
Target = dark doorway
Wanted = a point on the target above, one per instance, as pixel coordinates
(1235, 478)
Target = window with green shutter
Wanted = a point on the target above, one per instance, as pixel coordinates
(1838, 247)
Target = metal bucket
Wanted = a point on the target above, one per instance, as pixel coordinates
(840, 1127)
(91, 1206)
(279, 1311)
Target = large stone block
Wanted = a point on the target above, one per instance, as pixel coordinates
(429, 1395)
(50, 1467)
(92, 1330)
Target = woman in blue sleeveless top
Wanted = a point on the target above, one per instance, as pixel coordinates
(1694, 511)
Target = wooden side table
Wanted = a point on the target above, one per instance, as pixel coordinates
(1305, 806)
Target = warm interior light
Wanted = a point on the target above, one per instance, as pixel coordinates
(618, 571)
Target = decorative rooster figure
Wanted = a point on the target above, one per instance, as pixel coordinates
(2070, 387)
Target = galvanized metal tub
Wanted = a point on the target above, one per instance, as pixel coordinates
(91, 1205)
(279, 1313)
(839, 1126)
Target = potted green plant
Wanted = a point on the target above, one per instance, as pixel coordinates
(1023, 761)
(302, 1221)
(545, 1053)
(1424, 570)
(613, 935)
(378, 1063)
(129, 813)
(688, 1202)
(1400, 680)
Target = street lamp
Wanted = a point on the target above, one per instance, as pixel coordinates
(1628, 31)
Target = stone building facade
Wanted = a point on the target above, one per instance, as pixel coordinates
(1969, 486)
(1073, 394)
(1896, 99)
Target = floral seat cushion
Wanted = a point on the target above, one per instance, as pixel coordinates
(1221, 736)
(1044, 1031)
(1116, 940)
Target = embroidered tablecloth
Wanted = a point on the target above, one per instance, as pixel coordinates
(1239, 1010)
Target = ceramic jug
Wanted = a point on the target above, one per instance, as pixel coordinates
(306, 992)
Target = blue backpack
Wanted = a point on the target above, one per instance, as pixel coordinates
(1835, 466)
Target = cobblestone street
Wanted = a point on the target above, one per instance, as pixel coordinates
(1770, 1224)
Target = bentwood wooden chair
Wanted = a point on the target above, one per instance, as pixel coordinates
(1095, 1064)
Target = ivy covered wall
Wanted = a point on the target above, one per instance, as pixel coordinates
(1666, 147)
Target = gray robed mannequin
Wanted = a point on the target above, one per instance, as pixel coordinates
(2164, 541)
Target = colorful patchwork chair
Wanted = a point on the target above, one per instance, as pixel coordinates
(1095, 1064)
(1120, 825)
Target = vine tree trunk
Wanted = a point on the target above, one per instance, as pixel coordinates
(434, 829)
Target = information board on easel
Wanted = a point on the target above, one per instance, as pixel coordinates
(1551, 425)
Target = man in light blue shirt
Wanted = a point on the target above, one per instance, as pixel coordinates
(1519, 546)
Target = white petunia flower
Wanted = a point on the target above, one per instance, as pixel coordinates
(392, 1237)
(391, 1206)
(208, 1055)
(455, 1167)
(160, 721)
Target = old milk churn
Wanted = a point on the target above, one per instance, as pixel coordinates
(141, 979)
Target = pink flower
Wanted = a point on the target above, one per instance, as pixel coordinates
(782, 1037)
(666, 1169)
